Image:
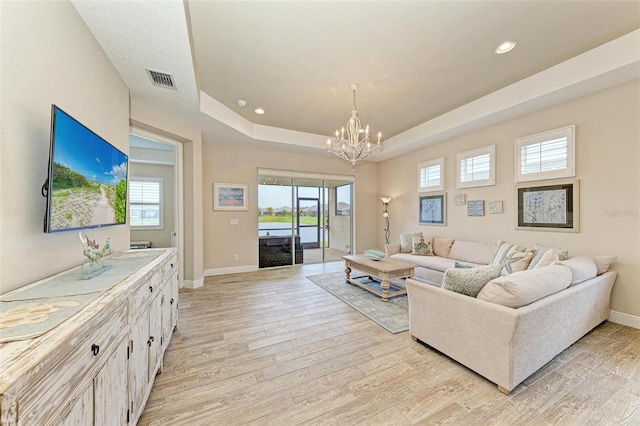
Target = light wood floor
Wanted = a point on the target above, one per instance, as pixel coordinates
(272, 348)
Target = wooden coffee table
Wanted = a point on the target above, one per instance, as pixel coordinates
(385, 269)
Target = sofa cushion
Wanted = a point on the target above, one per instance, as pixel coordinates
(525, 287)
(582, 268)
(428, 276)
(422, 246)
(546, 255)
(469, 281)
(513, 258)
(442, 246)
(603, 262)
(406, 243)
(471, 251)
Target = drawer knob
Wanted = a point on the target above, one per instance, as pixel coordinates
(171, 301)
(151, 288)
(95, 349)
(172, 265)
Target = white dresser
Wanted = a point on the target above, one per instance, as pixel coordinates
(98, 365)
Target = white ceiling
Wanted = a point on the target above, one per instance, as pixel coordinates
(425, 69)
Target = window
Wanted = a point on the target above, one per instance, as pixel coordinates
(145, 199)
(548, 155)
(477, 167)
(431, 175)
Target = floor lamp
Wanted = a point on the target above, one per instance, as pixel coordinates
(385, 214)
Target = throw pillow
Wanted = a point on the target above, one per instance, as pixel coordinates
(513, 258)
(525, 287)
(603, 262)
(406, 244)
(582, 268)
(469, 281)
(374, 254)
(462, 266)
(422, 246)
(543, 258)
(442, 246)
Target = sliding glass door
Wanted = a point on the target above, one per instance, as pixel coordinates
(303, 219)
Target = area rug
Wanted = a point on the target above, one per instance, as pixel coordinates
(392, 315)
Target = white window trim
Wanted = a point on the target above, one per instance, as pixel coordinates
(568, 132)
(491, 150)
(161, 203)
(427, 164)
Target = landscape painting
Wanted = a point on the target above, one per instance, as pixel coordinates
(89, 179)
(230, 196)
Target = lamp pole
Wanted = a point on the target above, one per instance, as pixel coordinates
(385, 214)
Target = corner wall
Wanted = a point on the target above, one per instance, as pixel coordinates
(607, 159)
(49, 56)
(239, 163)
(155, 120)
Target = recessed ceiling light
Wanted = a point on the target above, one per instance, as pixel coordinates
(259, 111)
(506, 46)
(242, 102)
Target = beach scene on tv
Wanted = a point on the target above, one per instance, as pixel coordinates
(89, 179)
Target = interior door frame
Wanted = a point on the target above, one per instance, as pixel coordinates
(178, 205)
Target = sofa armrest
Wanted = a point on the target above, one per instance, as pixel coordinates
(474, 332)
(392, 249)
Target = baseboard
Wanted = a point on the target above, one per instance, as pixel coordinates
(194, 284)
(624, 319)
(230, 270)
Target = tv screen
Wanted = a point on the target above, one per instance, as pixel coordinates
(87, 183)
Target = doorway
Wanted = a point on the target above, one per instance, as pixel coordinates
(303, 218)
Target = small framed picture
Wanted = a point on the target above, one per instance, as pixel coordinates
(460, 199)
(230, 196)
(433, 209)
(475, 208)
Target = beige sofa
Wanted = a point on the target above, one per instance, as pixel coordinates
(514, 324)
(431, 269)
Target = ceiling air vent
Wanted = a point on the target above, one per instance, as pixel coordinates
(161, 79)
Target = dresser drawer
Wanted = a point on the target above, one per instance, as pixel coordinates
(83, 353)
(169, 267)
(148, 287)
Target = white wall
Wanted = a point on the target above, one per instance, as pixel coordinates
(49, 57)
(607, 159)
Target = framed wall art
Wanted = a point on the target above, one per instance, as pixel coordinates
(433, 209)
(550, 206)
(495, 207)
(230, 196)
(475, 208)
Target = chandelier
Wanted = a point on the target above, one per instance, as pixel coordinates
(356, 144)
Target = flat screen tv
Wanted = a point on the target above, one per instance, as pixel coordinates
(87, 182)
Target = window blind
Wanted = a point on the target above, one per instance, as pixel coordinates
(475, 168)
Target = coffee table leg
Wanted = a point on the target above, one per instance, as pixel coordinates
(385, 290)
(347, 271)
